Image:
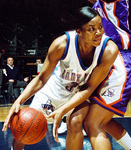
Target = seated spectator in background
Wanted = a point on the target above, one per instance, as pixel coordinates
(38, 61)
(13, 78)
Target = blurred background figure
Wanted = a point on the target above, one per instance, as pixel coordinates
(38, 61)
(13, 79)
(39, 65)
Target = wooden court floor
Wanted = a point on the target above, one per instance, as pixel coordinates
(48, 142)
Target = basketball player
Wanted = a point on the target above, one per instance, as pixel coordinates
(87, 61)
(114, 16)
(115, 22)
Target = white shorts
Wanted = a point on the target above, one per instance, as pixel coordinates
(42, 103)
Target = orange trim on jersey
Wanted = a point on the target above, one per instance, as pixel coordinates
(109, 106)
(105, 10)
(102, 101)
(129, 40)
(114, 9)
(125, 72)
(122, 41)
(123, 84)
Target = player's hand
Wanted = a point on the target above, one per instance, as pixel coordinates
(57, 116)
(14, 109)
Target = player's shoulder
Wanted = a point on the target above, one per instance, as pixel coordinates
(111, 51)
(60, 42)
(57, 47)
(111, 48)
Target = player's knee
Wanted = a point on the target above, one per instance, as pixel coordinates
(75, 124)
(90, 125)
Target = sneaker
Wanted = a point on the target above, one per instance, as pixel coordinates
(63, 128)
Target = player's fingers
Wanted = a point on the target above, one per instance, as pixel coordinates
(13, 110)
(55, 132)
(51, 115)
(6, 123)
(17, 108)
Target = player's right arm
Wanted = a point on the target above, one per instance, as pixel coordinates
(55, 53)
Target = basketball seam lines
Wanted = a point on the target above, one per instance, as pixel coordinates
(29, 127)
(40, 133)
(18, 120)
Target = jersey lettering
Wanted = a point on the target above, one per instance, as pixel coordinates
(71, 76)
(70, 88)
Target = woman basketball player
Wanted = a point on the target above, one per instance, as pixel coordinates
(89, 66)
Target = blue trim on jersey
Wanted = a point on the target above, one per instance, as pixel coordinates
(78, 54)
(67, 45)
(102, 50)
(56, 69)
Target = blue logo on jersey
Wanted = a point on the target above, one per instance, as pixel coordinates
(109, 92)
(48, 107)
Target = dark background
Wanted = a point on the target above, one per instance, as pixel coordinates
(33, 24)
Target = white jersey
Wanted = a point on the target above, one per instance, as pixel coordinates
(70, 73)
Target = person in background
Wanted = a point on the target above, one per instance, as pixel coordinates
(38, 61)
(13, 79)
(39, 67)
(88, 62)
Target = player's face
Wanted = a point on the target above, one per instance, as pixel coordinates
(91, 33)
(10, 61)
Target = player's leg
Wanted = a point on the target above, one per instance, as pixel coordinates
(16, 145)
(20, 84)
(10, 90)
(94, 124)
(117, 131)
(75, 118)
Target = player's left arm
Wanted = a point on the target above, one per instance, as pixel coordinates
(97, 76)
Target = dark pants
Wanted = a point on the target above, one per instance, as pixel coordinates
(12, 86)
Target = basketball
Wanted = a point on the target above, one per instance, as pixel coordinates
(28, 126)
